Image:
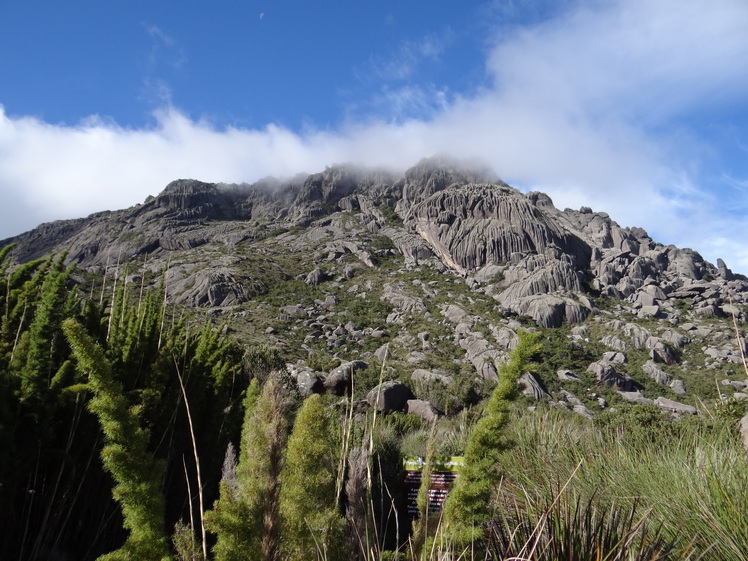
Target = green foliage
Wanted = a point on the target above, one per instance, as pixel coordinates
(232, 515)
(44, 334)
(310, 518)
(468, 507)
(391, 218)
(639, 423)
(370, 377)
(185, 545)
(466, 390)
(137, 476)
(568, 528)
(683, 474)
(247, 518)
(322, 362)
(731, 410)
(381, 243)
(364, 312)
(261, 360)
(46, 405)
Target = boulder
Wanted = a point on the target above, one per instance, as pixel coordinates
(293, 310)
(675, 406)
(636, 397)
(532, 387)
(608, 376)
(393, 293)
(482, 356)
(678, 386)
(315, 277)
(422, 408)
(339, 379)
(309, 383)
(567, 375)
(614, 357)
(389, 396)
(660, 352)
(614, 342)
(423, 375)
(453, 313)
(212, 286)
(656, 373)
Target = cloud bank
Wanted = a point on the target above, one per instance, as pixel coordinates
(602, 106)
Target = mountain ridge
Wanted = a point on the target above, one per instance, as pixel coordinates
(442, 261)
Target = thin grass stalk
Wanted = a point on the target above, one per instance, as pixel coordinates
(369, 479)
(421, 524)
(737, 336)
(114, 295)
(103, 279)
(347, 434)
(197, 462)
(51, 501)
(542, 521)
(163, 305)
(189, 499)
(18, 332)
(356, 513)
(77, 493)
(31, 485)
(123, 307)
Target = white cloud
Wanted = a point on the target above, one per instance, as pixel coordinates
(592, 107)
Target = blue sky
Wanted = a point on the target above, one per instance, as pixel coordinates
(638, 108)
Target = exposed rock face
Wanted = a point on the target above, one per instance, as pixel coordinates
(472, 226)
(607, 375)
(207, 287)
(541, 260)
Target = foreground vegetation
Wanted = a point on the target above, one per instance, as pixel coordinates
(126, 433)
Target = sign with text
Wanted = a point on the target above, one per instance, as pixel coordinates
(443, 473)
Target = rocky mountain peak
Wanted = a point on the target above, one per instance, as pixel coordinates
(549, 262)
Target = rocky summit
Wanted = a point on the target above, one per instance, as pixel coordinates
(423, 279)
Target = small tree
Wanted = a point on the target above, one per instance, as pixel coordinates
(309, 513)
(468, 506)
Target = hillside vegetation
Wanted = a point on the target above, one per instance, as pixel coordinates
(237, 372)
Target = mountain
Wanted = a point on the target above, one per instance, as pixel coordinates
(430, 272)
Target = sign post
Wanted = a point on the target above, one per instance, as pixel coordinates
(443, 473)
